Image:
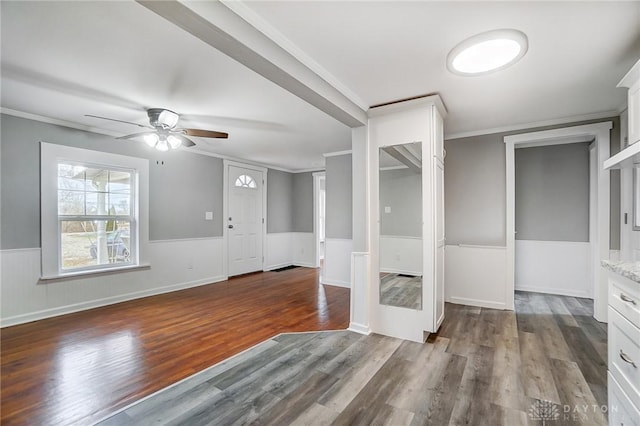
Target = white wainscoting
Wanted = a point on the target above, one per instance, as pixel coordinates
(477, 276)
(360, 293)
(337, 262)
(555, 267)
(289, 248)
(401, 255)
(303, 249)
(279, 250)
(174, 265)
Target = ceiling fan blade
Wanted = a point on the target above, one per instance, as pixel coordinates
(133, 135)
(205, 133)
(186, 142)
(119, 121)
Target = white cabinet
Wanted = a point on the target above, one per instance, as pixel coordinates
(416, 126)
(624, 350)
(632, 81)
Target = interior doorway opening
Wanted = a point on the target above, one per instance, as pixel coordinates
(599, 133)
(319, 203)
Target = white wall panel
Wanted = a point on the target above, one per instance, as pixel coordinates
(476, 276)
(175, 265)
(337, 262)
(401, 255)
(279, 250)
(303, 245)
(556, 267)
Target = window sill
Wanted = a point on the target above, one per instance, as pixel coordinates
(82, 274)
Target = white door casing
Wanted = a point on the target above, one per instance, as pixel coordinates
(244, 219)
(600, 241)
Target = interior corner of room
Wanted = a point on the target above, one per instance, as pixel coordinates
(261, 175)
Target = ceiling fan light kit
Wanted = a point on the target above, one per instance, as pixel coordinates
(163, 134)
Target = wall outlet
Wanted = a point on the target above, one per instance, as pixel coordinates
(208, 215)
(190, 264)
(397, 256)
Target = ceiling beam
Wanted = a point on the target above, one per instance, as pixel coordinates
(218, 26)
(403, 155)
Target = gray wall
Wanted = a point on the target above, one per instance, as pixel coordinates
(302, 202)
(279, 201)
(475, 186)
(552, 193)
(402, 191)
(339, 205)
(289, 202)
(180, 190)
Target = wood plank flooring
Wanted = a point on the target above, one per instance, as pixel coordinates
(401, 290)
(77, 368)
(484, 367)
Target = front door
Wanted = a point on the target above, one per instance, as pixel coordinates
(245, 220)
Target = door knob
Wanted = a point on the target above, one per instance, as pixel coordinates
(230, 226)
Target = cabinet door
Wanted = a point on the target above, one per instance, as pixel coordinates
(440, 241)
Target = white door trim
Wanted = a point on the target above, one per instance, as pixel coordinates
(599, 132)
(225, 211)
(317, 176)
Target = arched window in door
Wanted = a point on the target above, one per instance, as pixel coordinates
(245, 181)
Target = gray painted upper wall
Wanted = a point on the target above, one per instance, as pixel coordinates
(180, 191)
(302, 196)
(552, 193)
(289, 202)
(279, 201)
(401, 190)
(475, 186)
(339, 201)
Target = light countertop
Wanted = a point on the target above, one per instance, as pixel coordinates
(630, 270)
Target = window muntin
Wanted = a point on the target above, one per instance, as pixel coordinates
(245, 181)
(81, 206)
(96, 216)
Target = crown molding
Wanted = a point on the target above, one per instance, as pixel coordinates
(337, 153)
(72, 125)
(534, 124)
(57, 122)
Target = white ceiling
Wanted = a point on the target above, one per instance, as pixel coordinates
(62, 60)
(386, 51)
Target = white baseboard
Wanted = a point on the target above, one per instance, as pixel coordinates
(400, 271)
(476, 276)
(304, 264)
(477, 302)
(556, 267)
(337, 262)
(336, 283)
(359, 328)
(174, 265)
(278, 266)
(77, 307)
(551, 290)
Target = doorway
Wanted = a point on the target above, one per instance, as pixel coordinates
(244, 224)
(319, 203)
(600, 134)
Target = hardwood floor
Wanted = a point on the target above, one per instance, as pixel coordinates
(484, 367)
(77, 368)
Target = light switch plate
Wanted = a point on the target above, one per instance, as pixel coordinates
(208, 215)
(387, 209)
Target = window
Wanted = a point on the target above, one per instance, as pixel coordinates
(245, 181)
(93, 210)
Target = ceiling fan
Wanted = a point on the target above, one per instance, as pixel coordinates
(163, 134)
